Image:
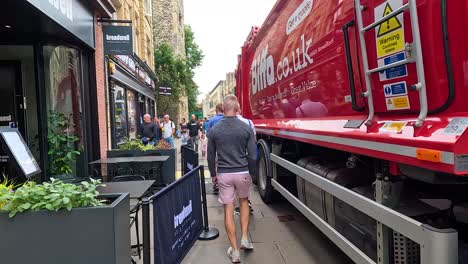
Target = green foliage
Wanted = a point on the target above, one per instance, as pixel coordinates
(52, 196)
(193, 52)
(177, 72)
(62, 149)
(138, 145)
(6, 186)
(194, 57)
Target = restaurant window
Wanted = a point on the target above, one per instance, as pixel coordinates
(132, 114)
(148, 107)
(63, 87)
(141, 103)
(120, 119)
(153, 108)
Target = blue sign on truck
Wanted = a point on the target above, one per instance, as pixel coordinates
(395, 89)
(395, 72)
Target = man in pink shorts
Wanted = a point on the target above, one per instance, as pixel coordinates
(233, 142)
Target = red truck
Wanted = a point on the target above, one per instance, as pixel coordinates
(361, 111)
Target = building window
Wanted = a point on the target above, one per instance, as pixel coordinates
(120, 118)
(148, 8)
(65, 135)
(149, 49)
(132, 115)
(136, 39)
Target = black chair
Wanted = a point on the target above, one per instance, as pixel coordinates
(134, 208)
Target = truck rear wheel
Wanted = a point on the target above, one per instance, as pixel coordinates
(264, 172)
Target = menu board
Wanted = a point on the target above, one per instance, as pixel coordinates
(20, 152)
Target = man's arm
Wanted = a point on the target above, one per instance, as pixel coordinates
(212, 155)
(252, 152)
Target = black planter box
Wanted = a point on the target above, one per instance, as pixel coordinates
(83, 235)
(168, 170)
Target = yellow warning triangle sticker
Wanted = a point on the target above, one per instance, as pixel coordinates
(389, 25)
(389, 101)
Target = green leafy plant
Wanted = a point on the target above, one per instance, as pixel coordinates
(136, 144)
(53, 196)
(62, 144)
(6, 186)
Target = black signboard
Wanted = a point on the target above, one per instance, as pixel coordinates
(73, 15)
(13, 142)
(165, 91)
(118, 40)
(178, 219)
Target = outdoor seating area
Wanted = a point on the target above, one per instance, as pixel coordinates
(101, 213)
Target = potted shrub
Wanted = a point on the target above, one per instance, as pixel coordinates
(134, 148)
(56, 223)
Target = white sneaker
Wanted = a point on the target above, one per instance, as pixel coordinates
(246, 244)
(234, 255)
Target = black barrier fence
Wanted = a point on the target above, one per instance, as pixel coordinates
(189, 159)
(180, 217)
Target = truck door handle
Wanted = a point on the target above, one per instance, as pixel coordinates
(349, 65)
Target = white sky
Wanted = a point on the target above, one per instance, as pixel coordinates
(221, 27)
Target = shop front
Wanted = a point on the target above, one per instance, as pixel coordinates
(48, 88)
(132, 95)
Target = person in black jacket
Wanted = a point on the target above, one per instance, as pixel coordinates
(148, 130)
(194, 132)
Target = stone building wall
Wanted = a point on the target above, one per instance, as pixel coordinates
(168, 27)
(168, 24)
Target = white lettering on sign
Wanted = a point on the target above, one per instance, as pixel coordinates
(186, 211)
(5, 118)
(132, 66)
(263, 67)
(64, 6)
(118, 37)
(299, 15)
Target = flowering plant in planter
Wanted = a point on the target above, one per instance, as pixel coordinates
(53, 196)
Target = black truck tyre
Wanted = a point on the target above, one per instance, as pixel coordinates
(264, 172)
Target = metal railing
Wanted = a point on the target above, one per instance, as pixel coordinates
(437, 245)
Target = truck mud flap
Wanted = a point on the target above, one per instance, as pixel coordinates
(436, 245)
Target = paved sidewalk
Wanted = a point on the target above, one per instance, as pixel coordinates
(280, 233)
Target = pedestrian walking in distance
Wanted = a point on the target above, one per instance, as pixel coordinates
(194, 132)
(209, 124)
(233, 143)
(168, 130)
